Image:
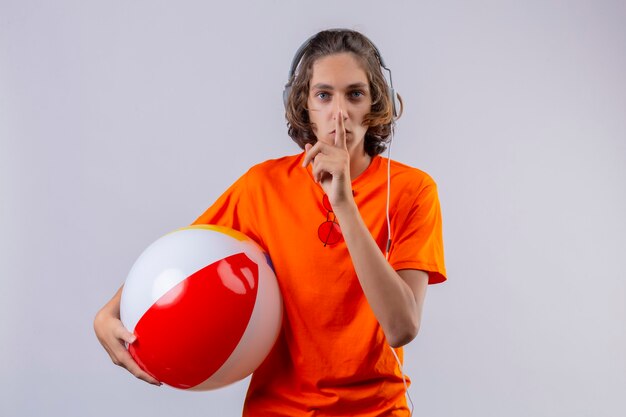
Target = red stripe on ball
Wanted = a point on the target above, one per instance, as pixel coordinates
(191, 330)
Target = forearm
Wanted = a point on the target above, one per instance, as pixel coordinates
(113, 305)
(113, 336)
(389, 296)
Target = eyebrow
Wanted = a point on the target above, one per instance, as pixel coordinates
(321, 86)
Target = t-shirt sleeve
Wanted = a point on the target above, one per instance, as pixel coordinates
(417, 242)
(233, 209)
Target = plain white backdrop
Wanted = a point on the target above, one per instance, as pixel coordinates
(121, 121)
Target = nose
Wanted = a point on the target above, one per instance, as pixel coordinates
(340, 107)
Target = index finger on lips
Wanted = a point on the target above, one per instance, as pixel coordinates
(340, 131)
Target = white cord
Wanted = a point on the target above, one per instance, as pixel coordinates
(406, 387)
(388, 193)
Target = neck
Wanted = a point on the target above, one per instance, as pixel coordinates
(359, 161)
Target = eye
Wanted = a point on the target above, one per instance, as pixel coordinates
(356, 94)
(322, 95)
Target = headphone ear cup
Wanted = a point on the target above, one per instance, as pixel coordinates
(394, 102)
(286, 93)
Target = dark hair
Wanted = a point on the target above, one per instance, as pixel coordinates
(329, 42)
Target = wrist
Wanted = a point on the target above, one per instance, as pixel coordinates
(346, 210)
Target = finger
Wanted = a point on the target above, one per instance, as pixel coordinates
(323, 167)
(317, 168)
(320, 174)
(134, 369)
(312, 152)
(122, 333)
(122, 358)
(340, 131)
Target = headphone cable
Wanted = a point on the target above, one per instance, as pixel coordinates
(406, 388)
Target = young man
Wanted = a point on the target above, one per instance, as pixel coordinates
(353, 270)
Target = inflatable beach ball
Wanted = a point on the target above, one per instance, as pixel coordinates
(204, 305)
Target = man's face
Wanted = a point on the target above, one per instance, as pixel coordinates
(339, 83)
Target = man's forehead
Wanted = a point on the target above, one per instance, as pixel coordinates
(326, 86)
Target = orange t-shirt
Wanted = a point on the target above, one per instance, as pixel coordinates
(331, 358)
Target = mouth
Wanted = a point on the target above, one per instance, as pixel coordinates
(333, 132)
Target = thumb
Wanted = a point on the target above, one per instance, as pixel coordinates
(127, 336)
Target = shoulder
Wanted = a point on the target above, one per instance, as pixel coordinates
(411, 188)
(410, 177)
(278, 163)
(274, 169)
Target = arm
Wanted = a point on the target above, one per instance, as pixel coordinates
(112, 335)
(396, 298)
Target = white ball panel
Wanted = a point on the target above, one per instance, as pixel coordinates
(167, 262)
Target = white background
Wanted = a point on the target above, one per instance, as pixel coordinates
(123, 120)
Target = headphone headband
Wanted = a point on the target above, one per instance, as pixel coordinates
(302, 50)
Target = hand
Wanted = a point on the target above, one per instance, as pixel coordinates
(331, 165)
(112, 335)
